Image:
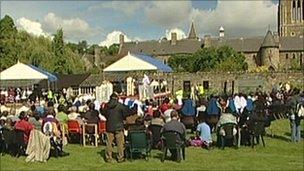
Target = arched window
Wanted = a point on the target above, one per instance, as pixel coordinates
(286, 56)
(293, 56)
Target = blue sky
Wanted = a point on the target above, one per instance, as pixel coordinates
(102, 21)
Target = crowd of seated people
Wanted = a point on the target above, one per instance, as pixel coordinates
(205, 115)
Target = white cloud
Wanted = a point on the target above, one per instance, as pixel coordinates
(113, 37)
(31, 27)
(73, 27)
(180, 33)
(168, 13)
(239, 17)
(126, 7)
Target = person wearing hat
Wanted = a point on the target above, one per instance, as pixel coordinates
(115, 114)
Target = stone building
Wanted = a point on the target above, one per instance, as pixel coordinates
(275, 51)
(291, 18)
(272, 51)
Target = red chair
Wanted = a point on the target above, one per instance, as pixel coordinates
(75, 128)
(102, 131)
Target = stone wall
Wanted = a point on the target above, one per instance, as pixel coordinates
(234, 82)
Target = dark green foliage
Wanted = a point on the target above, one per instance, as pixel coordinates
(209, 59)
(113, 49)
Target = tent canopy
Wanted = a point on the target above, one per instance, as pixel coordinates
(138, 62)
(22, 71)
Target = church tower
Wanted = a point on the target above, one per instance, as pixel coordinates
(269, 52)
(291, 18)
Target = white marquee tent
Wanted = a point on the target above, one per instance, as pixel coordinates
(137, 62)
(23, 75)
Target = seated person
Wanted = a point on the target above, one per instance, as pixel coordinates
(51, 127)
(224, 119)
(62, 117)
(34, 119)
(204, 133)
(138, 125)
(175, 125)
(130, 120)
(74, 115)
(24, 126)
(157, 120)
(92, 115)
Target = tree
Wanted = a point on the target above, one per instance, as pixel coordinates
(8, 35)
(209, 59)
(58, 50)
(82, 47)
(91, 49)
(113, 49)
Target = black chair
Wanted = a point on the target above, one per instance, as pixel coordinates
(138, 144)
(156, 135)
(173, 140)
(256, 131)
(14, 142)
(228, 128)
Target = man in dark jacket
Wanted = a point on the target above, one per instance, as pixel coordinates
(115, 113)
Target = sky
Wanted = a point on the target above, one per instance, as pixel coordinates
(101, 22)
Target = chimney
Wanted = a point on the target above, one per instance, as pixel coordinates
(221, 32)
(207, 41)
(121, 39)
(97, 59)
(173, 38)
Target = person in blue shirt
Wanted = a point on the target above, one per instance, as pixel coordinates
(204, 133)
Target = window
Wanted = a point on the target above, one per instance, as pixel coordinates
(206, 85)
(187, 86)
(294, 11)
(299, 11)
(286, 56)
(302, 10)
(293, 56)
(301, 59)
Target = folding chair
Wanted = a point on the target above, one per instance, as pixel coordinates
(75, 129)
(139, 143)
(228, 128)
(102, 131)
(172, 140)
(156, 135)
(88, 131)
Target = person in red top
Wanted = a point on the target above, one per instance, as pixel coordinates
(165, 105)
(24, 126)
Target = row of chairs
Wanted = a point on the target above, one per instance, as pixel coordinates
(139, 144)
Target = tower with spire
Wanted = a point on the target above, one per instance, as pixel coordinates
(192, 32)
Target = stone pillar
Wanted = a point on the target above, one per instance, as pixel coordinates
(173, 38)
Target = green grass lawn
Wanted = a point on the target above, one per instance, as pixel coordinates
(279, 154)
